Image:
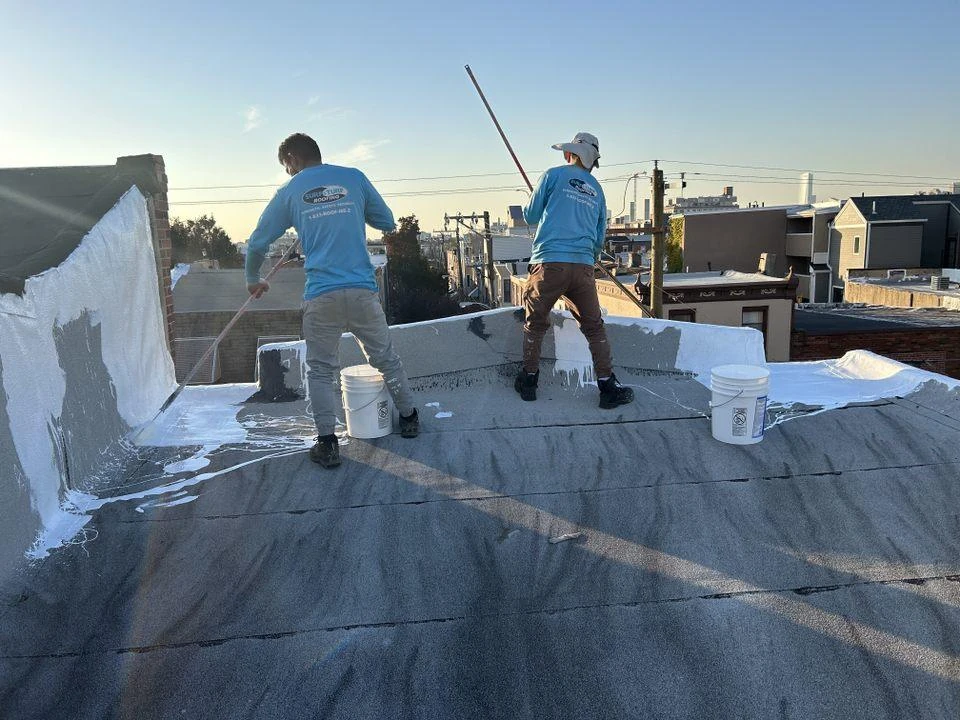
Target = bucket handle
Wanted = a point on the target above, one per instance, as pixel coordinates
(365, 405)
(727, 402)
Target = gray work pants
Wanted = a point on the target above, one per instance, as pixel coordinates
(325, 319)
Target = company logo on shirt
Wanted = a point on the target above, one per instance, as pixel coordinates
(581, 187)
(324, 194)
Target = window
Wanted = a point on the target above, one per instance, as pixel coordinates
(856, 244)
(686, 315)
(755, 318)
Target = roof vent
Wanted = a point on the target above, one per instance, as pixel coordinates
(873, 210)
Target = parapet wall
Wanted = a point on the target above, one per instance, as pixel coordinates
(494, 338)
(83, 358)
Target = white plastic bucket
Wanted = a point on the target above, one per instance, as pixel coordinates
(739, 403)
(366, 402)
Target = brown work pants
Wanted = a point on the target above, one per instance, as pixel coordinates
(546, 283)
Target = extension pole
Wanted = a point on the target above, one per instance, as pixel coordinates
(223, 333)
(506, 142)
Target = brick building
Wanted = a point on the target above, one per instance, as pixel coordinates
(928, 338)
(206, 300)
(45, 212)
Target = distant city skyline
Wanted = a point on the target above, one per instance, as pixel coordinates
(746, 94)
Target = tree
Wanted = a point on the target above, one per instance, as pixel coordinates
(202, 239)
(675, 244)
(415, 291)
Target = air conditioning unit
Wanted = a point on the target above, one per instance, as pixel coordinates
(939, 282)
(896, 274)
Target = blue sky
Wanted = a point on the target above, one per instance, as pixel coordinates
(867, 87)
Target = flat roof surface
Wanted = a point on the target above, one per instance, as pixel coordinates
(867, 318)
(226, 290)
(909, 284)
(517, 560)
(717, 277)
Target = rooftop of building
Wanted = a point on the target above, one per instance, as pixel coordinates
(226, 290)
(915, 283)
(713, 277)
(900, 207)
(517, 559)
(823, 319)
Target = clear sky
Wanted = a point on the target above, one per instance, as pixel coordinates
(858, 87)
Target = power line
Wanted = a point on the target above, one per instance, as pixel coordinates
(408, 193)
(769, 179)
(801, 170)
(386, 180)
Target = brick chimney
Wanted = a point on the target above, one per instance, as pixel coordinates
(150, 176)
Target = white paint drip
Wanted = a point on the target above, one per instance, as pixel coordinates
(110, 276)
(443, 415)
(64, 527)
(432, 405)
(573, 353)
(180, 498)
(177, 272)
(90, 503)
(196, 461)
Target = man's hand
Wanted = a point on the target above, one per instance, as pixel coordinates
(258, 288)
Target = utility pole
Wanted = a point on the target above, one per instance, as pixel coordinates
(487, 264)
(460, 264)
(659, 245)
(488, 256)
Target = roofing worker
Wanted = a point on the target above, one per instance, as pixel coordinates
(329, 206)
(571, 213)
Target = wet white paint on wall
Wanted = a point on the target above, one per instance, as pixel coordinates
(110, 276)
(701, 346)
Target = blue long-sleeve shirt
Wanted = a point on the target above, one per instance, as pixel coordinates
(328, 205)
(570, 211)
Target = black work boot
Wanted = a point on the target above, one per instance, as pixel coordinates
(526, 384)
(410, 425)
(326, 451)
(612, 393)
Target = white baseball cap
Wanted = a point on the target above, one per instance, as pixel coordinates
(585, 146)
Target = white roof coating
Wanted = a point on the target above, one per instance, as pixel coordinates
(715, 277)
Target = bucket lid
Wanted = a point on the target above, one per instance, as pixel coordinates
(361, 371)
(740, 372)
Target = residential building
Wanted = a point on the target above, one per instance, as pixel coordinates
(684, 205)
(729, 298)
(467, 268)
(894, 232)
(777, 239)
